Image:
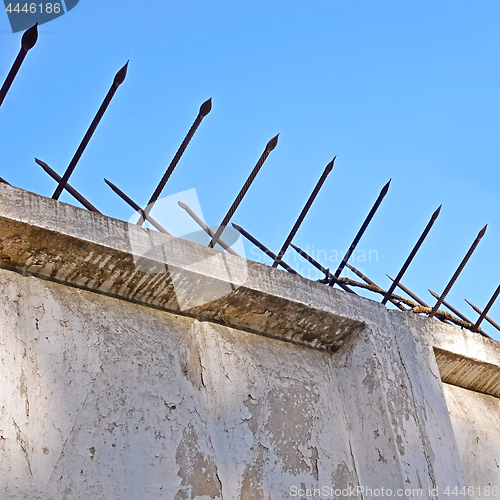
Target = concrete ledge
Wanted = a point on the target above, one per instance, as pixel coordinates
(69, 245)
(464, 359)
(469, 373)
(467, 360)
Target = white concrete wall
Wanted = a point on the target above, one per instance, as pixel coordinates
(121, 381)
(476, 421)
(108, 400)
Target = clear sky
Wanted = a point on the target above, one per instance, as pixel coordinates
(400, 89)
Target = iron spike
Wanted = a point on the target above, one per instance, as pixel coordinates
(412, 255)
(357, 272)
(28, 41)
(135, 206)
(458, 271)
(117, 81)
(205, 108)
(381, 196)
(487, 318)
(416, 298)
(206, 228)
(303, 214)
(269, 147)
(317, 265)
(452, 309)
(72, 191)
(487, 308)
(410, 293)
(263, 248)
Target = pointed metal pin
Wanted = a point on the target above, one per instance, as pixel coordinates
(269, 147)
(206, 228)
(456, 312)
(410, 293)
(358, 273)
(487, 318)
(117, 81)
(205, 108)
(458, 271)
(317, 265)
(28, 41)
(355, 242)
(487, 308)
(136, 207)
(416, 298)
(302, 215)
(412, 255)
(263, 248)
(72, 191)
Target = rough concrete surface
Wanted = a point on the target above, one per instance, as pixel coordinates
(132, 380)
(111, 400)
(476, 422)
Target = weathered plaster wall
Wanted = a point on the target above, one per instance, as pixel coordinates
(105, 399)
(476, 421)
(134, 379)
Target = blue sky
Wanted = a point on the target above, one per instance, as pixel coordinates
(407, 90)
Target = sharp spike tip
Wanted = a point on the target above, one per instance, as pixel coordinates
(120, 75)
(385, 188)
(329, 167)
(29, 38)
(206, 107)
(41, 163)
(272, 143)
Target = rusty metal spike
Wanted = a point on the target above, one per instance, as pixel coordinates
(412, 255)
(357, 272)
(452, 309)
(72, 191)
(487, 318)
(317, 265)
(269, 147)
(118, 79)
(458, 271)
(358, 236)
(135, 206)
(487, 308)
(205, 108)
(416, 298)
(28, 41)
(303, 214)
(410, 293)
(263, 248)
(206, 228)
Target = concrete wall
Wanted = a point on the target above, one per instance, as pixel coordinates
(476, 422)
(110, 389)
